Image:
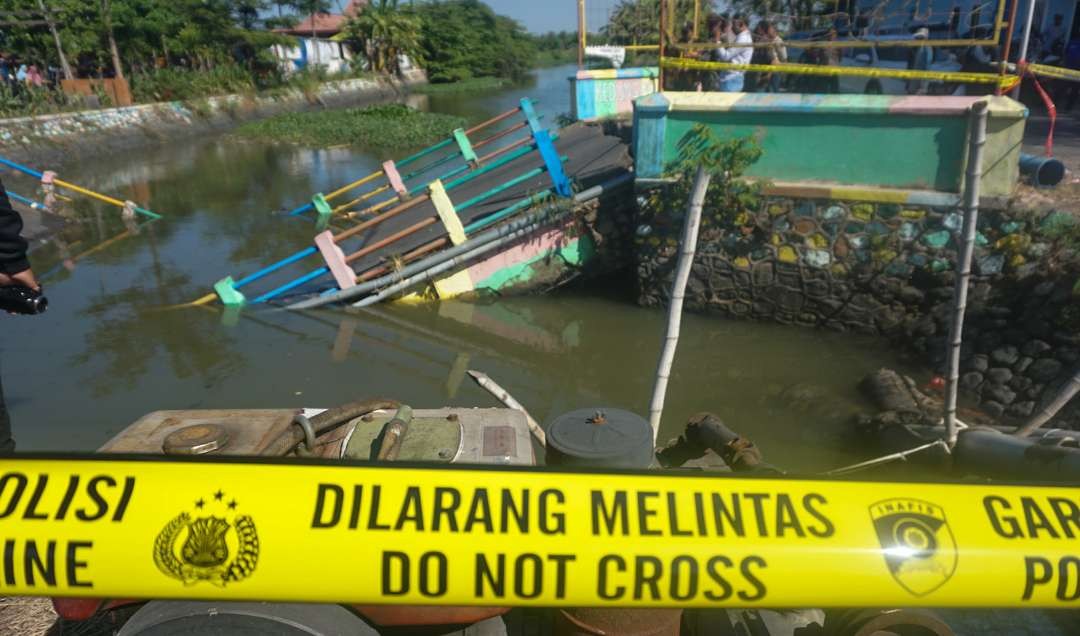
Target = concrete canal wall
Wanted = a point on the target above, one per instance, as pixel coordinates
(876, 260)
(50, 140)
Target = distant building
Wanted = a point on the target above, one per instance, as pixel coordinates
(318, 41)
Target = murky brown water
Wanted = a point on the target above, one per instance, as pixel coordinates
(106, 353)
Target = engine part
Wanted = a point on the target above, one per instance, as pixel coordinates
(600, 438)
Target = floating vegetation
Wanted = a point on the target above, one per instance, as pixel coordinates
(464, 86)
(391, 125)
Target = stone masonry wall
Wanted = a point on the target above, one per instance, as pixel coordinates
(888, 269)
(63, 137)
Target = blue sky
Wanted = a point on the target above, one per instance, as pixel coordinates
(539, 16)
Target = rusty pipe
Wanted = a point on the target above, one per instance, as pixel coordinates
(288, 439)
(500, 135)
(394, 433)
(393, 238)
(494, 120)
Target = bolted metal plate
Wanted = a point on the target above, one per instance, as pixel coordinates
(198, 439)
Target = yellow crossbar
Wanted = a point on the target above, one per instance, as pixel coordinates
(1005, 81)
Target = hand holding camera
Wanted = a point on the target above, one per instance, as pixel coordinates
(21, 294)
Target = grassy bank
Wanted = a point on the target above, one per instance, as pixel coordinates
(389, 126)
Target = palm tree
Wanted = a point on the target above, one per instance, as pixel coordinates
(384, 34)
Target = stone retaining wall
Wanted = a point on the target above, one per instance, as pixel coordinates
(49, 140)
(888, 269)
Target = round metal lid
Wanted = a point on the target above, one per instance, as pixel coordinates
(602, 436)
(198, 439)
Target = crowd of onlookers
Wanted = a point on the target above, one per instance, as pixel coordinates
(736, 43)
(16, 74)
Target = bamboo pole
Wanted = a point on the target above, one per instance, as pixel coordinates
(972, 180)
(581, 34)
(663, 53)
(1071, 388)
(678, 290)
(502, 395)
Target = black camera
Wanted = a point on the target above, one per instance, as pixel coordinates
(18, 299)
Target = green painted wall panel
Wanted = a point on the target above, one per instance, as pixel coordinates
(900, 151)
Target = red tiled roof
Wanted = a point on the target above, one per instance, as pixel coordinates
(326, 24)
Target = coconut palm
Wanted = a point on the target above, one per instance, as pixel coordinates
(384, 34)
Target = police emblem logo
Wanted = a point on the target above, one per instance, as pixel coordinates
(917, 543)
(209, 543)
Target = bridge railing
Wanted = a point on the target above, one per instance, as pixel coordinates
(329, 246)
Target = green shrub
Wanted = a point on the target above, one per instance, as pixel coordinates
(387, 126)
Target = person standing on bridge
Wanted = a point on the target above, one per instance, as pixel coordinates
(922, 57)
(738, 53)
(14, 270)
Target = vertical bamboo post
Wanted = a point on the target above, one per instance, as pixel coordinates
(581, 34)
(972, 180)
(678, 291)
(663, 39)
(697, 19)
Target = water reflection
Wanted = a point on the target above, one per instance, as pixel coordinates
(108, 351)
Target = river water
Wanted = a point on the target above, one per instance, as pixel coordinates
(107, 352)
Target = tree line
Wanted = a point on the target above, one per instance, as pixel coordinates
(452, 39)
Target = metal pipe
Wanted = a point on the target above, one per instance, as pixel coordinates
(430, 274)
(369, 285)
(989, 453)
(1024, 42)
(1044, 171)
(473, 243)
(74, 188)
(972, 181)
(412, 202)
(407, 160)
(416, 227)
(310, 276)
(28, 202)
(1008, 41)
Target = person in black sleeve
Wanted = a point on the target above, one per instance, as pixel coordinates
(14, 270)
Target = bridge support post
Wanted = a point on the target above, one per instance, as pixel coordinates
(396, 182)
(344, 275)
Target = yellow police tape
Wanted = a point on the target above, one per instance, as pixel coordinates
(449, 536)
(1005, 81)
(1056, 72)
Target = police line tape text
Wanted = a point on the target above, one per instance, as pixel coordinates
(616, 513)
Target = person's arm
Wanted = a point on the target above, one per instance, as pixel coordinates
(724, 54)
(743, 54)
(14, 266)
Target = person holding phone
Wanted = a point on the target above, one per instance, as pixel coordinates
(14, 272)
